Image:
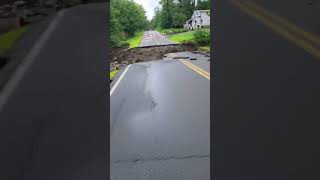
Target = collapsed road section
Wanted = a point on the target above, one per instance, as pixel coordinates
(123, 56)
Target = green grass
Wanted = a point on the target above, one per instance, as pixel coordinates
(183, 37)
(135, 41)
(7, 40)
(113, 73)
(207, 29)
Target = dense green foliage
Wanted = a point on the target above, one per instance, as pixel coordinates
(174, 13)
(173, 30)
(202, 37)
(127, 18)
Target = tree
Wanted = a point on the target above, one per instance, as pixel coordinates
(174, 13)
(156, 20)
(203, 5)
(166, 14)
(178, 20)
(127, 18)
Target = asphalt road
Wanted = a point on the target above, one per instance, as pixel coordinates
(154, 38)
(302, 13)
(53, 125)
(266, 95)
(160, 120)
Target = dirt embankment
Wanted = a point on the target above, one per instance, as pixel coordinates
(127, 56)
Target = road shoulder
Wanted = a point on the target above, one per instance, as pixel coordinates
(22, 48)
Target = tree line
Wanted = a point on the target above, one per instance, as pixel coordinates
(174, 13)
(127, 18)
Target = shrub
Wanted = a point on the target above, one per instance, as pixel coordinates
(202, 37)
(179, 30)
(173, 31)
(118, 42)
(123, 44)
(167, 31)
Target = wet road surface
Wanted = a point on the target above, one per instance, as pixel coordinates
(266, 92)
(53, 125)
(154, 38)
(160, 121)
(302, 13)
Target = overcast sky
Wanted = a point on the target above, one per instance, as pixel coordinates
(149, 6)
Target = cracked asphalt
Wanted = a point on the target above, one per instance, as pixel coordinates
(160, 120)
(154, 38)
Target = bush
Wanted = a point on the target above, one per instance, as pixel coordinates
(173, 31)
(202, 37)
(118, 42)
(123, 44)
(167, 31)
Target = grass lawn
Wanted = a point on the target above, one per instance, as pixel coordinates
(8, 39)
(182, 37)
(113, 73)
(185, 36)
(136, 40)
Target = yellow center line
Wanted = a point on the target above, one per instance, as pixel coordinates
(282, 21)
(293, 33)
(196, 69)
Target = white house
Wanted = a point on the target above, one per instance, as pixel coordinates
(199, 19)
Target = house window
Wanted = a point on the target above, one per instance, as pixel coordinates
(201, 20)
(195, 21)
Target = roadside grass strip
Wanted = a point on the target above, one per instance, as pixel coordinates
(7, 40)
(118, 81)
(136, 40)
(113, 73)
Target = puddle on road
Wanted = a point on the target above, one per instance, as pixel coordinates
(180, 57)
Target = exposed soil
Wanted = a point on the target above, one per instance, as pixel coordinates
(126, 56)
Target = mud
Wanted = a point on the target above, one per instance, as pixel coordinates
(122, 57)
